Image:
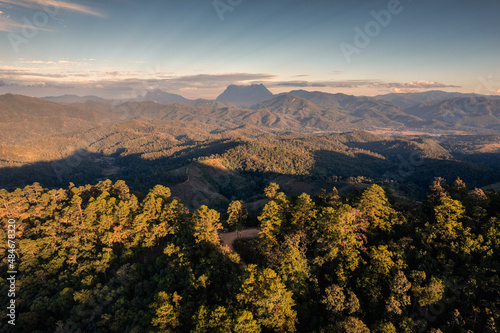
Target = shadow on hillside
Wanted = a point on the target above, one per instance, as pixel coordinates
(408, 170)
(84, 167)
(197, 182)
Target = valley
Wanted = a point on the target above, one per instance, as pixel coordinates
(300, 136)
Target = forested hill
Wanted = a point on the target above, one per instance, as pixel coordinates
(209, 165)
(97, 258)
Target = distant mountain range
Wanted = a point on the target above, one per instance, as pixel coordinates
(152, 140)
(406, 100)
(297, 110)
(74, 99)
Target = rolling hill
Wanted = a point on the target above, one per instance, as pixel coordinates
(23, 117)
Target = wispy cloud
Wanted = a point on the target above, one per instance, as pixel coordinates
(364, 83)
(7, 24)
(123, 79)
(54, 4)
(331, 84)
(9, 72)
(408, 87)
(66, 74)
(420, 85)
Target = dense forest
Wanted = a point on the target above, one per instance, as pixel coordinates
(102, 258)
(217, 165)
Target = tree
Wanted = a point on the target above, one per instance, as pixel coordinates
(376, 209)
(167, 311)
(294, 267)
(264, 294)
(303, 213)
(271, 190)
(339, 240)
(351, 325)
(439, 190)
(271, 220)
(340, 301)
(217, 320)
(245, 323)
(331, 199)
(236, 215)
(399, 297)
(448, 216)
(205, 223)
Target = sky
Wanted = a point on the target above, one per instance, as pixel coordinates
(195, 48)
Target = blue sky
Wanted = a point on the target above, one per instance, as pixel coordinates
(121, 48)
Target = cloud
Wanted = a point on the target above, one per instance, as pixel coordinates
(125, 81)
(37, 62)
(54, 5)
(300, 84)
(331, 84)
(7, 24)
(228, 77)
(419, 85)
(67, 75)
(16, 73)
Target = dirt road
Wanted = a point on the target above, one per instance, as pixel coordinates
(229, 237)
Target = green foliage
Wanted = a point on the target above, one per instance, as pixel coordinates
(237, 215)
(376, 209)
(98, 258)
(205, 224)
(263, 291)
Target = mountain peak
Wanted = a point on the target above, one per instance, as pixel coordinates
(161, 97)
(245, 95)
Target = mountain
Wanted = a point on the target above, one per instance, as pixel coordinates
(74, 99)
(23, 118)
(461, 113)
(245, 95)
(362, 111)
(319, 98)
(407, 100)
(162, 97)
(288, 104)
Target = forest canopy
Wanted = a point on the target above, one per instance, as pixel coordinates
(98, 258)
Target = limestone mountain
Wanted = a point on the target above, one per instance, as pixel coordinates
(245, 95)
